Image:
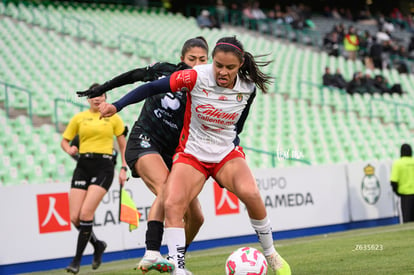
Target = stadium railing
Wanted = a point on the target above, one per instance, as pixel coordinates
(7, 103)
(56, 107)
(396, 106)
(80, 26)
(143, 48)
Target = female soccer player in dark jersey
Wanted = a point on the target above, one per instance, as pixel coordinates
(218, 96)
(152, 143)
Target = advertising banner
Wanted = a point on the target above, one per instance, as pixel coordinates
(36, 221)
(371, 195)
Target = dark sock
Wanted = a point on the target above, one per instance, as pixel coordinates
(85, 231)
(93, 240)
(153, 236)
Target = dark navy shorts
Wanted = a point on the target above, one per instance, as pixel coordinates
(141, 143)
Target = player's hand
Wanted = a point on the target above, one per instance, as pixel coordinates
(122, 177)
(106, 109)
(73, 150)
(91, 93)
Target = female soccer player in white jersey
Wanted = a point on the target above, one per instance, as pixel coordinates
(218, 94)
(152, 143)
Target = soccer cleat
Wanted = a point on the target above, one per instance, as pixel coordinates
(73, 267)
(175, 271)
(153, 260)
(97, 255)
(278, 264)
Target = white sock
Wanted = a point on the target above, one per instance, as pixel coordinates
(175, 238)
(264, 233)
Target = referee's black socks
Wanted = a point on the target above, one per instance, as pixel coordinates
(85, 232)
(94, 241)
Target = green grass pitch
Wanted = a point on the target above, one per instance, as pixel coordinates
(378, 250)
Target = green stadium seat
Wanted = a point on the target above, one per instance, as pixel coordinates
(50, 65)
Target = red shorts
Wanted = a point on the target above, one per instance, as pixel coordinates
(207, 168)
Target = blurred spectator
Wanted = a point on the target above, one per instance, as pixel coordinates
(411, 47)
(381, 84)
(259, 16)
(397, 17)
(257, 12)
(351, 43)
(335, 13)
(221, 12)
(277, 14)
(247, 11)
(327, 77)
(355, 85)
(340, 29)
(365, 43)
(331, 43)
(376, 53)
(367, 83)
(204, 20)
(339, 79)
(401, 65)
(333, 80)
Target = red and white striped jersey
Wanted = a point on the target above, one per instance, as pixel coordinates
(212, 112)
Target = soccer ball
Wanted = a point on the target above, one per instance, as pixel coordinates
(246, 261)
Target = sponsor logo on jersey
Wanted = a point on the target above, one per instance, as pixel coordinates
(209, 113)
(223, 98)
(210, 110)
(53, 212)
(186, 77)
(239, 97)
(225, 202)
(169, 101)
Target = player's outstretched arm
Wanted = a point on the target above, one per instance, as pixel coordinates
(139, 74)
(142, 92)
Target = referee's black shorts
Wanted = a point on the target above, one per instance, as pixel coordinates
(141, 143)
(93, 169)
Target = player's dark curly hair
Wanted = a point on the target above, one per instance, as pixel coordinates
(250, 70)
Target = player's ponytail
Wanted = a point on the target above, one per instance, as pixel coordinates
(250, 70)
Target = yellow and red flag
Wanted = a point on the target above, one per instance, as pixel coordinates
(128, 211)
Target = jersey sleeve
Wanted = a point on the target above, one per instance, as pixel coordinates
(142, 92)
(72, 128)
(183, 81)
(139, 74)
(160, 69)
(119, 126)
